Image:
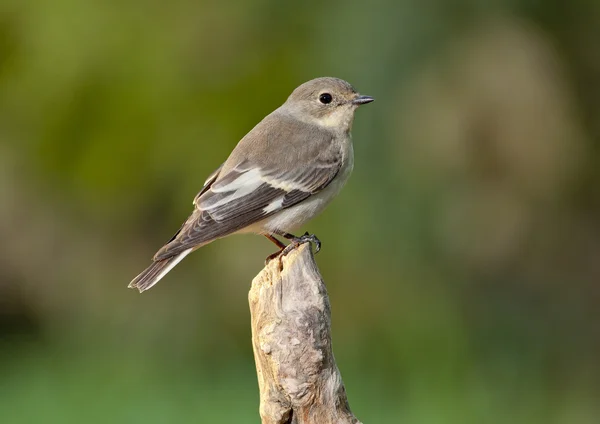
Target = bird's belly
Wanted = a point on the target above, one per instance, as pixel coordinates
(294, 217)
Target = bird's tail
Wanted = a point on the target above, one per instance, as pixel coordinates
(152, 275)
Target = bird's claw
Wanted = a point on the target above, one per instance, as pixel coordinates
(294, 243)
(311, 238)
(297, 241)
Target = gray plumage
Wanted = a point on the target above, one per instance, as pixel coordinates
(280, 175)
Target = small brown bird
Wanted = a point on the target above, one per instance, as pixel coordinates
(279, 176)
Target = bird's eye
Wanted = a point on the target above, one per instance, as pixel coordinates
(325, 98)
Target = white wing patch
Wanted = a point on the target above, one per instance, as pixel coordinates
(249, 177)
(287, 185)
(243, 185)
(274, 205)
(248, 181)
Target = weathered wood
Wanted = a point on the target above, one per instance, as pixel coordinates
(298, 378)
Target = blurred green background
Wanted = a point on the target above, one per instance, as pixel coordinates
(462, 259)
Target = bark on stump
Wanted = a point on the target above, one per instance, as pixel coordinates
(298, 378)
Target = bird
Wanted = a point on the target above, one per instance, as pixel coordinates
(279, 176)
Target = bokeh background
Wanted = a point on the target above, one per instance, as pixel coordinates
(462, 259)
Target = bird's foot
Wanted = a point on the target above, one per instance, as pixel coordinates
(294, 243)
(297, 241)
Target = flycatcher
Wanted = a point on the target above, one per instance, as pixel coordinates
(279, 176)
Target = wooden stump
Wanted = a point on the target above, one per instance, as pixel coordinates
(298, 378)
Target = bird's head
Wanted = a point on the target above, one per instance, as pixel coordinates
(327, 102)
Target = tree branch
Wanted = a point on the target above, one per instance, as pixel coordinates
(298, 378)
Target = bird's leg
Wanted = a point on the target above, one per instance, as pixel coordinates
(275, 241)
(279, 244)
(297, 241)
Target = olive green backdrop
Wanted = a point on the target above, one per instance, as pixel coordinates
(462, 259)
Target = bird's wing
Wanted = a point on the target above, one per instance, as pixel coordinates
(209, 181)
(247, 194)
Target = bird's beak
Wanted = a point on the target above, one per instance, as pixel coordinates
(362, 100)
